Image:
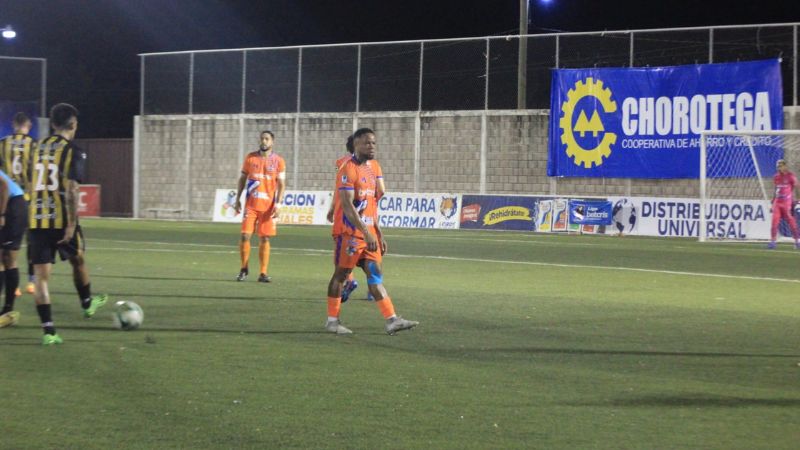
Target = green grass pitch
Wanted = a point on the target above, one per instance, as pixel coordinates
(525, 341)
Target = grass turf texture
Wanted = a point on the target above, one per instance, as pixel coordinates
(561, 346)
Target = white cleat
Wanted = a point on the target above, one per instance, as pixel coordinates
(335, 326)
(399, 324)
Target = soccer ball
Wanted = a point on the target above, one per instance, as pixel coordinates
(624, 215)
(128, 315)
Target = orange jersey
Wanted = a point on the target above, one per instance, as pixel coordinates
(262, 179)
(337, 208)
(362, 180)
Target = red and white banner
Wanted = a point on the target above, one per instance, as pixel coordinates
(89, 200)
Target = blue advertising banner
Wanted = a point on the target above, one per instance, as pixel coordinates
(645, 122)
(498, 212)
(590, 212)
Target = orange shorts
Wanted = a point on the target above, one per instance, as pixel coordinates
(266, 225)
(350, 250)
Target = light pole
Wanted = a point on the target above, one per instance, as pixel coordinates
(522, 60)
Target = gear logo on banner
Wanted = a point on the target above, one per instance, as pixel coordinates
(587, 141)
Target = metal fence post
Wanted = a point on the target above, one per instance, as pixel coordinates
(296, 137)
(419, 86)
(191, 83)
(244, 81)
(188, 163)
(44, 91)
(794, 65)
(710, 45)
(554, 180)
(141, 86)
(137, 151)
(358, 80)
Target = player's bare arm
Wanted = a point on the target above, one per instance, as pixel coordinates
(349, 211)
(72, 193)
(239, 189)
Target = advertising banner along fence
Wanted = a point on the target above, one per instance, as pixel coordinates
(645, 122)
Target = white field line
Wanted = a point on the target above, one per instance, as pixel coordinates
(315, 252)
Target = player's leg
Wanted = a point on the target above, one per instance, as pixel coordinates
(74, 253)
(13, 232)
(776, 220)
(29, 288)
(43, 252)
(8, 316)
(345, 258)
(266, 229)
(248, 226)
(8, 270)
(790, 219)
(374, 269)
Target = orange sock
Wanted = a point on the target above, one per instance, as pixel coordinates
(334, 306)
(263, 255)
(244, 252)
(386, 307)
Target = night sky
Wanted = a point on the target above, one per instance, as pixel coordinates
(92, 45)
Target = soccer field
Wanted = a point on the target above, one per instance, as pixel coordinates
(525, 340)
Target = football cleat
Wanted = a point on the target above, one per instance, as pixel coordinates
(242, 275)
(771, 245)
(264, 278)
(335, 326)
(349, 287)
(97, 302)
(370, 297)
(8, 319)
(52, 339)
(399, 324)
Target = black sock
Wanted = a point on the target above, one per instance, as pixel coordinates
(85, 294)
(46, 318)
(12, 283)
(30, 273)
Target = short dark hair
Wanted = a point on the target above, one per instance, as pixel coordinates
(349, 144)
(61, 114)
(362, 131)
(20, 119)
(270, 133)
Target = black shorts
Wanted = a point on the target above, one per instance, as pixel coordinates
(16, 223)
(43, 245)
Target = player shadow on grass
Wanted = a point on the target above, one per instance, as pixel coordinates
(694, 401)
(256, 297)
(160, 278)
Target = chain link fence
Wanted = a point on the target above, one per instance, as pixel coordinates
(22, 88)
(435, 75)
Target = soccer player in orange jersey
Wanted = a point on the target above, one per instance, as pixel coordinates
(361, 241)
(335, 210)
(264, 178)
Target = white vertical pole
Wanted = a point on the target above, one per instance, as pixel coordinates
(484, 145)
(710, 45)
(191, 82)
(630, 56)
(141, 87)
(188, 163)
(244, 81)
(137, 150)
(419, 87)
(486, 78)
(417, 149)
(358, 80)
(44, 93)
(702, 224)
(241, 143)
(794, 65)
(296, 137)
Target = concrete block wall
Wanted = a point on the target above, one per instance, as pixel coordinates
(449, 157)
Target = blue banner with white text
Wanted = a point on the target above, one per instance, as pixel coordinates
(590, 212)
(646, 122)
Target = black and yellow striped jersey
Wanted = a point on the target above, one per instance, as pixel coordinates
(53, 163)
(15, 151)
